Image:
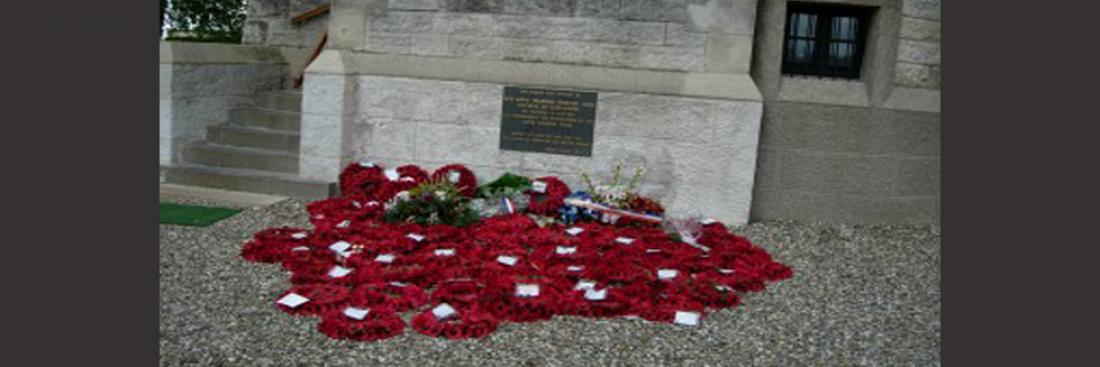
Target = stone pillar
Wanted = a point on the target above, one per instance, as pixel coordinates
(328, 109)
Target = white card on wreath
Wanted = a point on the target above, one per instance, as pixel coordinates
(574, 231)
(624, 240)
(356, 313)
(453, 176)
(708, 221)
(339, 272)
(667, 273)
(445, 252)
(345, 224)
(527, 290)
(574, 268)
(300, 248)
(725, 271)
(443, 311)
(340, 246)
(384, 258)
(507, 260)
(398, 284)
(595, 295)
(292, 300)
(584, 285)
(687, 318)
(299, 235)
(391, 174)
(565, 250)
(366, 164)
(539, 187)
(415, 237)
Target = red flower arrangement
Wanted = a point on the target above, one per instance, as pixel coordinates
(358, 272)
(460, 176)
(547, 201)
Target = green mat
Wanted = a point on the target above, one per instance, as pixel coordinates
(190, 215)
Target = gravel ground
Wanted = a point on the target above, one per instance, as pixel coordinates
(861, 295)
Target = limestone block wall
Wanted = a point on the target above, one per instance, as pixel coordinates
(201, 82)
(864, 150)
(268, 23)
(421, 81)
(696, 136)
(919, 45)
(680, 35)
(703, 166)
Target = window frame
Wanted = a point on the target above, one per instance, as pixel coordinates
(822, 38)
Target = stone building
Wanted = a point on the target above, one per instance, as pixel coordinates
(739, 109)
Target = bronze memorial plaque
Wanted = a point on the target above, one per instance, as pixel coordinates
(548, 121)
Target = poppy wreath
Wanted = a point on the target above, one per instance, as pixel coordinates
(319, 273)
(396, 297)
(506, 268)
(322, 298)
(470, 322)
(360, 178)
(508, 304)
(305, 259)
(464, 178)
(378, 324)
(715, 295)
(273, 245)
(575, 303)
(547, 203)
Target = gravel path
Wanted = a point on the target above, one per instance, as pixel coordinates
(861, 295)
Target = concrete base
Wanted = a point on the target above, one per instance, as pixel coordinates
(237, 199)
(250, 181)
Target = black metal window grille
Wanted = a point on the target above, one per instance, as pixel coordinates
(824, 40)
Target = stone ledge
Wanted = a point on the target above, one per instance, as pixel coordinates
(913, 99)
(220, 53)
(823, 90)
(738, 87)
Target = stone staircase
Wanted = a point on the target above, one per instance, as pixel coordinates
(256, 151)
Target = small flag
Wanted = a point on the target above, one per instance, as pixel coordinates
(506, 206)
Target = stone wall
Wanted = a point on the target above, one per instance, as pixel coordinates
(919, 46)
(681, 35)
(421, 81)
(201, 82)
(268, 23)
(697, 139)
(864, 150)
(694, 168)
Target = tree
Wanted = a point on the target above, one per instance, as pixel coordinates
(205, 20)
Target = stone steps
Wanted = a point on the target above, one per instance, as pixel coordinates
(237, 179)
(255, 151)
(253, 137)
(280, 100)
(213, 155)
(263, 118)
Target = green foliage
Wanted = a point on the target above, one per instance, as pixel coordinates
(506, 185)
(205, 20)
(433, 202)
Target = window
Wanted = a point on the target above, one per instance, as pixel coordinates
(824, 39)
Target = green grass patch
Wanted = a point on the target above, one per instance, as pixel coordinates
(191, 215)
